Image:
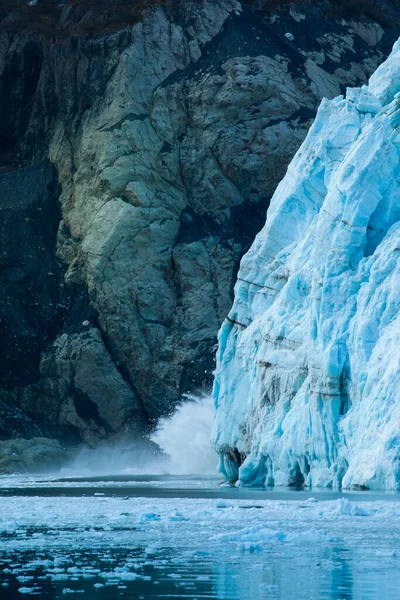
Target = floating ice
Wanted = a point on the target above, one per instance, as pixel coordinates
(260, 546)
(308, 378)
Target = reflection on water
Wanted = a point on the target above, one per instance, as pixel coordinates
(176, 546)
(170, 486)
(293, 574)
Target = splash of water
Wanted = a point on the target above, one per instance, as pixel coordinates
(122, 457)
(185, 437)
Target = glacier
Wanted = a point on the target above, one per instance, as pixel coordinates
(307, 384)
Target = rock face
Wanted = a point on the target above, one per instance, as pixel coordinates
(31, 277)
(34, 454)
(167, 138)
(307, 384)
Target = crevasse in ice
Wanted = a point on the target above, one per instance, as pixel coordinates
(307, 385)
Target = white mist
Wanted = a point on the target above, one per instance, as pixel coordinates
(185, 437)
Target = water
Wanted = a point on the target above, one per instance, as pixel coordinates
(156, 531)
(185, 437)
(169, 486)
(160, 536)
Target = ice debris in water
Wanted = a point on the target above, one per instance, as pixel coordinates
(307, 381)
(130, 552)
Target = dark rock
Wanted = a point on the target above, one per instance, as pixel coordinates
(33, 304)
(35, 455)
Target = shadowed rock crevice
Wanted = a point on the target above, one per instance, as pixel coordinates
(33, 299)
(88, 410)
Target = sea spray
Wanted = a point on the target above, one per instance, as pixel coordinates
(179, 446)
(122, 457)
(185, 437)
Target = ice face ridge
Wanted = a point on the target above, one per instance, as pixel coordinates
(307, 386)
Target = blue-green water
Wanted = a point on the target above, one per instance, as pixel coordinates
(176, 537)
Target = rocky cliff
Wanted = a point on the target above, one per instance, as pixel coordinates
(140, 147)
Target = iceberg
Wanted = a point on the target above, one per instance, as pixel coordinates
(307, 384)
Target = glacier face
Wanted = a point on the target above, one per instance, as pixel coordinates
(307, 385)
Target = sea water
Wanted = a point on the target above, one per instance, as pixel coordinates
(159, 536)
(156, 529)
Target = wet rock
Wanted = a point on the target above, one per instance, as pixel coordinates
(31, 456)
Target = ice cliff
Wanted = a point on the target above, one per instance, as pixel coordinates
(307, 382)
